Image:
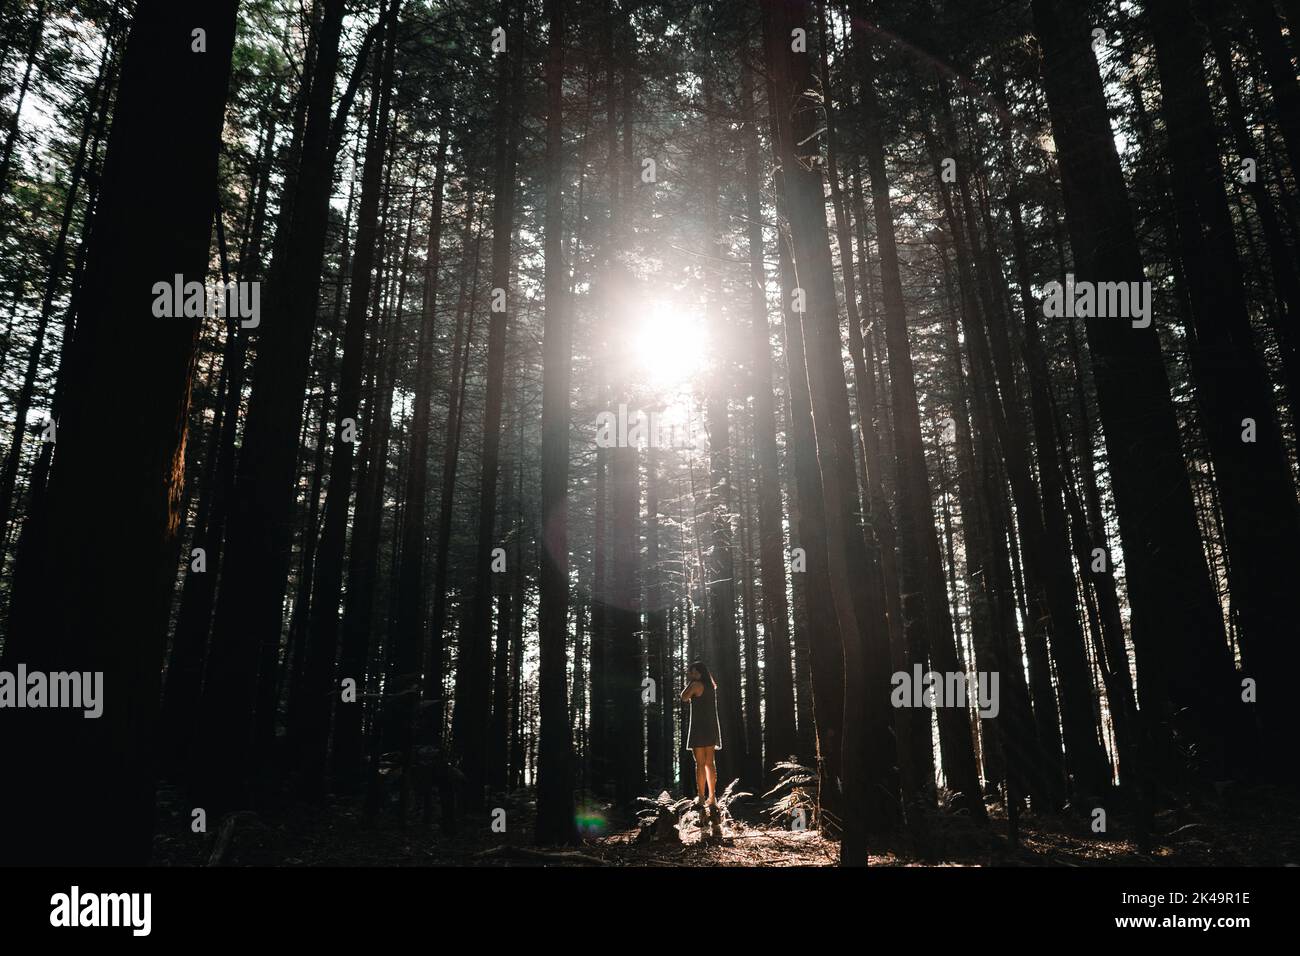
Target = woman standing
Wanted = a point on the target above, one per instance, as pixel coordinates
(704, 736)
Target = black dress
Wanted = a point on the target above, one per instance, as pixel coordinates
(704, 730)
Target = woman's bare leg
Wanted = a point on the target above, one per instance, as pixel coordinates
(701, 765)
(711, 774)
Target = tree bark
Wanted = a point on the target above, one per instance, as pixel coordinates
(153, 221)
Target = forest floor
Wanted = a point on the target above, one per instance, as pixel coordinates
(1258, 827)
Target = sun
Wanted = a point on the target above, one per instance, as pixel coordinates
(670, 344)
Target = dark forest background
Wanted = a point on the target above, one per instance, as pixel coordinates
(371, 548)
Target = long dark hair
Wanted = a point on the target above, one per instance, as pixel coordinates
(704, 672)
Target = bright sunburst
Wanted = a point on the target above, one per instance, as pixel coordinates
(671, 344)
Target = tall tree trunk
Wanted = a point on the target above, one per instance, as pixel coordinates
(623, 656)
(249, 612)
(915, 747)
(659, 732)
(856, 586)
(408, 626)
(1039, 513)
(1168, 581)
(183, 690)
(722, 646)
(920, 568)
(1011, 752)
(296, 664)
(498, 755)
(749, 628)
(153, 222)
(392, 729)
(471, 714)
(1260, 516)
(824, 657)
(778, 685)
(844, 244)
(463, 339)
(310, 738)
(516, 729)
